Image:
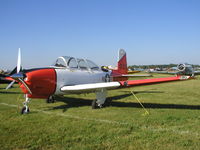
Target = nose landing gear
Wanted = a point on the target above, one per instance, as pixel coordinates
(25, 109)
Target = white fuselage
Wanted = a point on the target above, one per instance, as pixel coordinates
(68, 77)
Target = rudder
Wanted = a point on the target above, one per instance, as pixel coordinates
(122, 62)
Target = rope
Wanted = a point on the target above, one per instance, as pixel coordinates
(146, 112)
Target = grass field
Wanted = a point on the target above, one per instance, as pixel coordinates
(70, 123)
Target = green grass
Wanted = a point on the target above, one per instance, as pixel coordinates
(70, 123)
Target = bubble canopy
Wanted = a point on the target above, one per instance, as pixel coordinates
(73, 63)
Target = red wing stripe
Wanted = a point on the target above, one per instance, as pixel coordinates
(149, 81)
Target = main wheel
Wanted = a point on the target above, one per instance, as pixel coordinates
(50, 99)
(23, 111)
(94, 104)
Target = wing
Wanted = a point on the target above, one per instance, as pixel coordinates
(197, 72)
(90, 87)
(116, 75)
(152, 81)
(121, 84)
(178, 72)
(164, 72)
(135, 71)
(5, 79)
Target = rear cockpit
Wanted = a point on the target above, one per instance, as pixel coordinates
(73, 63)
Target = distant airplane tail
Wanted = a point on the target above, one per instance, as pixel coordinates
(122, 62)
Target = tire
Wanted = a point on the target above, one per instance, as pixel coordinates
(94, 104)
(50, 99)
(23, 111)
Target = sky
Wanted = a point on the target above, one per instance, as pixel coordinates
(151, 31)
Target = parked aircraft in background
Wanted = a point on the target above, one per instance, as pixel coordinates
(122, 69)
(134, 71)
(4, 74)
(74, 75)
(2, 79)
(113, 68)
(182, 69)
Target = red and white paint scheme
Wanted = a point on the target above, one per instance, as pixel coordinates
(72, 75)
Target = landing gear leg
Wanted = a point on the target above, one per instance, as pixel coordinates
(100, 99)
(25, 109)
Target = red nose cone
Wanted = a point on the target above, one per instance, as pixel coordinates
(42, 83)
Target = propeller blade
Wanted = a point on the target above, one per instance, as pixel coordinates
(19, 77)
(19, 61)
(10, 85)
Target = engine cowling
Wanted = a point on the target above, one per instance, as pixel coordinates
(185, 69)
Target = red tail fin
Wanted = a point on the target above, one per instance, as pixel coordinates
(122, 69)
(122, 62)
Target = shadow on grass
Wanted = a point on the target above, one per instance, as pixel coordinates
(2, 88)
(79, 102)
(156, 105)
(9, 92)
(137, 92)
(112, 101)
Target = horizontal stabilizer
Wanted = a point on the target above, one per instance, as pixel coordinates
(139, 75)
(164, 72)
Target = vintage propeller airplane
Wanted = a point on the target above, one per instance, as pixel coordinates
(182, 69)
(71, 75)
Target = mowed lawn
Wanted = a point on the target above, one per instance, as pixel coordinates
(173, 121)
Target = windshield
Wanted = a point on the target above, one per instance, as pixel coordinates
(92, 65)
(70, 62)
(60, 62)
(82, 64)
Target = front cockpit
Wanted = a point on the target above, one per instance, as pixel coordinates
(73, 63)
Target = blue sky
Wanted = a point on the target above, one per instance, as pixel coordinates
(151, 31)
